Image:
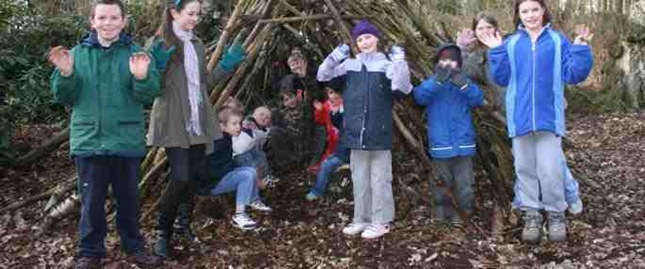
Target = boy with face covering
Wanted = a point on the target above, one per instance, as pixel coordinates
(448, 96)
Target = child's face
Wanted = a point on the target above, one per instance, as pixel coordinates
(188, 17)
(448, 63)
(289, 100)
(332, 95)
(484, 28)
(298, 66)
(367, 43)
(108, 21)
(262, 117)
(233, 126)
(531, 15)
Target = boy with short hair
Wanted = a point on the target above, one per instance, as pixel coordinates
(107, 127)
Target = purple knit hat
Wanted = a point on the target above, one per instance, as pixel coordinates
(365, 27)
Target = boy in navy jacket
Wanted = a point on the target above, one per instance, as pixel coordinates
(448, 96)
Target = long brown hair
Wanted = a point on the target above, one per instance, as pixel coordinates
(546, 18)
(165, 29)
(486, 16)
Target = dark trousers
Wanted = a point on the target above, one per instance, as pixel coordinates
(187, 167)
(94, 174)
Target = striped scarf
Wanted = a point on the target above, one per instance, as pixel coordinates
(191, 67)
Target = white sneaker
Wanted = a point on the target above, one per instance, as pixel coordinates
(375, 231)
(355, 228)
(242, 221)
(260, 206)
(575, 208)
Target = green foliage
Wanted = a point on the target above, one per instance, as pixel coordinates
(24, 71)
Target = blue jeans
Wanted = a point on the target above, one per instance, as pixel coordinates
(242, 181)
(94, 174)
(326, 168)
(254, 158)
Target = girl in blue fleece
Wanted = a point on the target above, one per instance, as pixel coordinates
(534, 64)
(448, 96)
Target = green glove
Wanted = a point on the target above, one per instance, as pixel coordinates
(161, 55)
(234, 56)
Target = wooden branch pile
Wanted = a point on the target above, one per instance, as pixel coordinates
(318, 27)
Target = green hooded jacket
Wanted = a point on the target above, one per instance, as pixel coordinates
(107, 101)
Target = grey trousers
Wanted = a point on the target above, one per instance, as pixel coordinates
(540, 169)
(457, 176)
(372, 180)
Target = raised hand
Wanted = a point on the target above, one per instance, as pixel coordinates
(465, 37)
(340, 53)
(583, 35)
(442, 73)
(62, 59)
(139, 64)
(459, 78)
(397, 53)
(492, 40)
(161, 55)
(318, 105)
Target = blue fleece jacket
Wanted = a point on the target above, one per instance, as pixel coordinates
(535, 74)
(448, 110)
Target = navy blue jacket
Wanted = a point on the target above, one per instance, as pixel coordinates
(370, 82)
(220, 163)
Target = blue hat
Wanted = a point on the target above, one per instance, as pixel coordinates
(365, 27)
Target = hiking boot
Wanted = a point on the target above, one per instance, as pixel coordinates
(375, 231)
(242, 221)
(557, 227)
(456, 220)
(141, 258)
(163, 247)
(439, 214)
(260, 206)
(575, 208)
(355, 228)
(532, 232)
(311, 197)
(88, 263)
(182, 227)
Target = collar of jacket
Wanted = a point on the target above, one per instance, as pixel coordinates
(92, 40)
(523, 30)
(369, 57)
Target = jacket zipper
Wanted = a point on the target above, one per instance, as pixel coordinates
(533, 83)
(365, 103)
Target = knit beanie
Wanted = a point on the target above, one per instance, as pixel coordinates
(450, 52)
(365, 27)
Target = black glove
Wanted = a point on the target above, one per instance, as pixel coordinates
(442, 73)
(459, 78)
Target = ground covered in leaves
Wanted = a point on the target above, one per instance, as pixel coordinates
(606, 155)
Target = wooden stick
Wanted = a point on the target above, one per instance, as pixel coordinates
(339, 21)
(66, 187)
(48, 146)
(307, 18)
(225, 35)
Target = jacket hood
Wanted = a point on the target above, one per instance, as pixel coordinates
(92, 40)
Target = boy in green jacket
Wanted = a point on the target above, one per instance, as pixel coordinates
(106, 80)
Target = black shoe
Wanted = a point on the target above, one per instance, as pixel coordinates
(88, 263)
(141, 258)
(162, 247)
